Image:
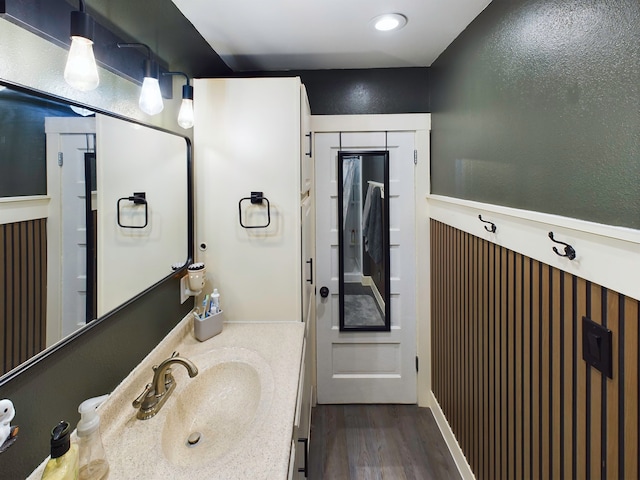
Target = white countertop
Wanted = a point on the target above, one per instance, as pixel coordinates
(263, 453)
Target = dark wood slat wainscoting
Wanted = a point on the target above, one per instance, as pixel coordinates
(23, 291)
(508, 370)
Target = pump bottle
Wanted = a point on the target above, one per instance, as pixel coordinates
(93, 463)
(215, 302)
(63, 464)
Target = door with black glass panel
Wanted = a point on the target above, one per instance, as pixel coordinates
(365, 251)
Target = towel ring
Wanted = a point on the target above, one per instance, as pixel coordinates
(256, 198)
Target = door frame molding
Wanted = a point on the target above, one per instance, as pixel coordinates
(420, 123)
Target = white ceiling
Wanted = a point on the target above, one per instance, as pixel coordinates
(267, 35)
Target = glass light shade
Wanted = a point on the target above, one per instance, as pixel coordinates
(150, 97)
(81, 71)
(185, 115)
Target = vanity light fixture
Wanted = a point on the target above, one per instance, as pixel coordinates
(81, 71)
(150, 101)
(185, 115)
(389, 21)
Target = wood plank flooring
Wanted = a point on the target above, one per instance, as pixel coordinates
(391, 442)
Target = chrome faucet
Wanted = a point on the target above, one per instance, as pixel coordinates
(156, 393)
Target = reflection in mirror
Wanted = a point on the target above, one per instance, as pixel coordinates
(364, 259)
(64, 260)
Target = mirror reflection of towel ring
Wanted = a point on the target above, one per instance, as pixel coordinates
(137, 199)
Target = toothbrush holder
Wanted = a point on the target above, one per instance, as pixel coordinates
(207, 327)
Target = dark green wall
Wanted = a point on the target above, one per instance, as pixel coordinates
(52, 390)
(537, 106)
(23, 142)
(371, 91)
(362, 91)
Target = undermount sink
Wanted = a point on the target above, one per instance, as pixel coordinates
(217, 410)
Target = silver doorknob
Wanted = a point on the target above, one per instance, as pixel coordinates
(324, 292)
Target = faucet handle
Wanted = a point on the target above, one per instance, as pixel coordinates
(138, 401)
(168, 378)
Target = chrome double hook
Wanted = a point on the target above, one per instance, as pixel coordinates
(569, 251)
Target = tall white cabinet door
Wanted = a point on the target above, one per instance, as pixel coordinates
(247, 139)
(308, 253)
(306, 144)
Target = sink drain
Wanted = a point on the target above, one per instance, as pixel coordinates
(193, 439)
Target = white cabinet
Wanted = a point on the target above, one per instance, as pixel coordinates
(250, 135)
(306, 144)
(253, 135)
(308, 253)
(299, 461)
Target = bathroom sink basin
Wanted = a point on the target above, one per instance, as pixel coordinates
(216, 411)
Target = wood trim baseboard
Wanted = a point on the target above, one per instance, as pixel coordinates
(449, 438)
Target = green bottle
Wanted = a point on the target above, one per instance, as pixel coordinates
(63, 464)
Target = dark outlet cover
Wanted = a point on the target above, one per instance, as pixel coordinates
(596, 346)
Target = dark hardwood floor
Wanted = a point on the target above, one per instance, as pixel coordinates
(394, 442)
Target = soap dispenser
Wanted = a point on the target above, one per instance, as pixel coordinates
(63, 464)
(93, 463)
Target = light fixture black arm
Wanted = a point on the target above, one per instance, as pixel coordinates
(82, 24)
(187, 89)
(151, 69)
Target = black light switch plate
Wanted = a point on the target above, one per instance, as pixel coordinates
(596, 346)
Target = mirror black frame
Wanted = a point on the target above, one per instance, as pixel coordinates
(12, 374)
(387, 255)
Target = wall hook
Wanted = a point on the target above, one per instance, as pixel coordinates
(491, 229)
(569, 251)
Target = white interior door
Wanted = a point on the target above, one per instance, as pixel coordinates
(366, 367)
(74, 234)
(66, 240)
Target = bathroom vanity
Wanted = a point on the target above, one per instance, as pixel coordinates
(236, 419)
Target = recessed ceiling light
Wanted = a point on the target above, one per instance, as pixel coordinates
(389, 21)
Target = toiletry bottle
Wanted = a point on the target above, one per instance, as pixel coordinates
(63, 464)
(215, 301)
(93, 463)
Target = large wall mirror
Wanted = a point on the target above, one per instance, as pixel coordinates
(364, 258)
(94, 210)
